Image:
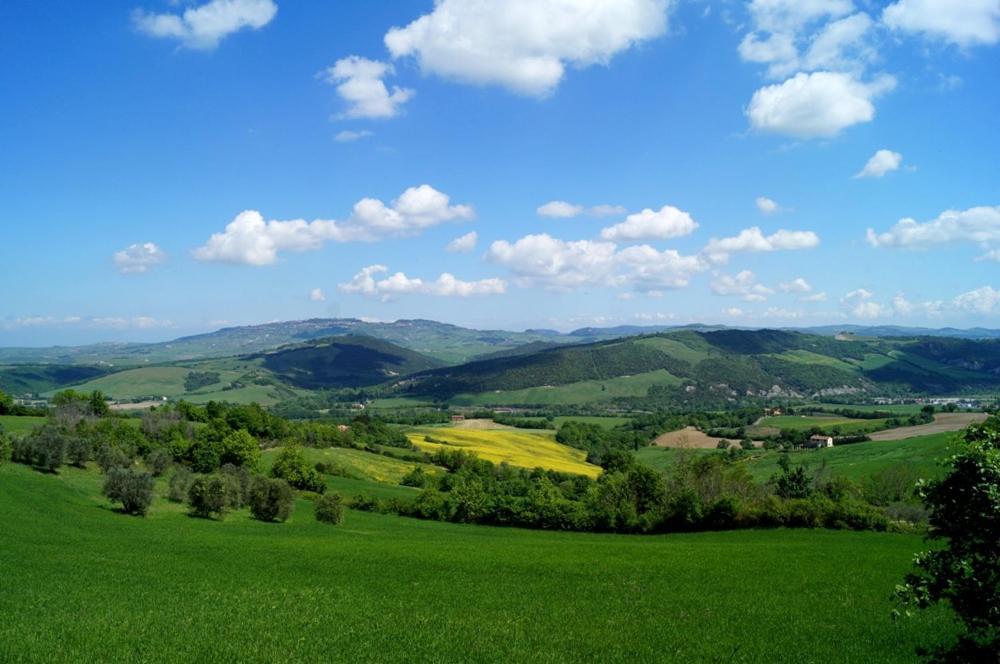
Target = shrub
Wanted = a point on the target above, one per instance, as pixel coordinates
(180, 483)
(746, 444)
(111, 456)
(43, 448)
(6, 447)
(79, 450)
(722, 444)
(415, 478)
(292, 467)
(238, 483)
(330, 509)
(158, 461)
(240, 449)
(271, 499)
(209, 496)
(131, 488)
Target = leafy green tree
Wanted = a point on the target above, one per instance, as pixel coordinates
(6, 403)
(180, 483)
(965, 516)
(79, 450)
(291, 466)
(330, 509)
(111, 456)
(6, 447)
(132, 488)
(44, 448)
(240, 449)
(158, 461)
(208, 496)
(271, 499)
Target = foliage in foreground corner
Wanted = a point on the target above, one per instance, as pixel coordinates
(965, 517)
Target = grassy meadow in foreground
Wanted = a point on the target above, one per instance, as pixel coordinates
(83, 583)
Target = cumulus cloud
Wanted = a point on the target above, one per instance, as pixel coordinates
(565, 210)
(463, 244)
(524, 45)
(961, 22)
(983, 300)
(816, 105)
(753, 240)
(139, 258)
(559, 210)
(250, 240)
(665, 223)
(880, 163)
(359, 83)
(814, 297)
(203, 27)
(766, 205)
(567, 265)
(743, 285)
(447, 285)
(733, 312)
(317, 295)
(979, 224)
(798, 285)
(349, 136)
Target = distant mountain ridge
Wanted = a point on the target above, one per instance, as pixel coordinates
(448, 343)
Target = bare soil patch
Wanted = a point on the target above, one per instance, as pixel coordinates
(943, 423)
(691, 438)
(479, 425)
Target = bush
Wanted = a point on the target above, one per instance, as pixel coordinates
(238, 483)
(746, 444)
(180, 483)
(111, 456)
(158, 461)
(271, 499)
(722, 445)
(330, 509)
(415, 478)
(79, 450)
(209, 496)
(292, 467)
(43, 448)
(6, 447)
(131, 488)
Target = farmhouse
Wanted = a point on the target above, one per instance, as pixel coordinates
(458, 418)
(820, 441)
(342, 428)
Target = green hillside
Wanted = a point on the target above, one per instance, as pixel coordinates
(88, 584)
(704, 367)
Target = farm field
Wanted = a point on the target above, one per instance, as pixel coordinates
(587, 391)
(365, 465)
(384, 588)
(16, 424)
(855, 462)
(943, 422)
(846, 425)
(518, 447)
(687, 438)
(608, 422)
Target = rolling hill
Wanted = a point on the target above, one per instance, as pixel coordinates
(729, 364)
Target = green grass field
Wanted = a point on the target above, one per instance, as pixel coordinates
(365, 465)
(19, 425)
(855, 461)
(587, 391)
(801, 422)
(608, 422)
(83, 583)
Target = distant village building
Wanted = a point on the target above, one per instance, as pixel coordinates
(820, 441)
(772, 412)
(458, 418)
(342, 428)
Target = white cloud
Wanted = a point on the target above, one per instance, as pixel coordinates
(359, 83)
(446, 285)
(867, 310)
(317, 295)
(753, 240)
(841, 45)
(798, 285)
(816, 105)
(961, 22)
(565, 210)
(90, 322)
(524, 45)
(978, 224)
(463, 244)
(559, 210)
(734, 312)
(205, 26)
(251, 240)
(139, 258)
(991, 255)
(567, 265)
(766, 205)
(743, 285)
(859, 294)
(668, 222)
(882, 162)
(983, 300)
(349, 136)
(815, 297)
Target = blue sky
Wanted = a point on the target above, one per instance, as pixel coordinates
(171, 167)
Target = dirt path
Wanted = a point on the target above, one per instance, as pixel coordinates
(943, 423)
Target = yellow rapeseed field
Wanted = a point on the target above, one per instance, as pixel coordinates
(518, 447)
